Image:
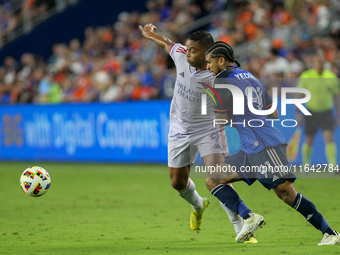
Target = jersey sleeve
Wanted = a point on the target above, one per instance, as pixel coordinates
(177, 50)
(224, 100)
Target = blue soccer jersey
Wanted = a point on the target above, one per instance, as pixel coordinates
(256, 131)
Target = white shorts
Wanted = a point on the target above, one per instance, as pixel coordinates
(183, 149)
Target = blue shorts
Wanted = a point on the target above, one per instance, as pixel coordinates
(269, 166)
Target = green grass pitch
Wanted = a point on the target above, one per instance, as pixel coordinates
(132, 209)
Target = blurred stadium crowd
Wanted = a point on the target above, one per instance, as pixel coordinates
(15, 13)
(272, 39)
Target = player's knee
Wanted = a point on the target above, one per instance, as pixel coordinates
(287, 195)
(209, 184)
(310, 140)
(178, 183)
(214, 180)
(283, 196)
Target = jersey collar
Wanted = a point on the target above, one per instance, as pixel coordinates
(229, 67)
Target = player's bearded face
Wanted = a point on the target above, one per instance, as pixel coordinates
(212, 65)
(195, 54)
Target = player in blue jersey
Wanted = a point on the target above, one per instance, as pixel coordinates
(261, 145)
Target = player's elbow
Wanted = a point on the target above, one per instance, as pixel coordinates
(274, 115)
(220, 122)
(221, 119)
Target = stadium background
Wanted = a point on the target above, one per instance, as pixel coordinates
(74, 83)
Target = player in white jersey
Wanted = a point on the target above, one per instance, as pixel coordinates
(190, 131)
(185, 110)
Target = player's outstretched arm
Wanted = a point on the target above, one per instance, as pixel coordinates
(148, 31)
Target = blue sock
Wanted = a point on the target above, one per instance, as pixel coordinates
(228, 196)
(312, 215)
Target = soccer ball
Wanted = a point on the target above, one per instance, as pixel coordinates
(35, 181)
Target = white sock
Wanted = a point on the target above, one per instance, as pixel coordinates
(191, 196)
(234, 218)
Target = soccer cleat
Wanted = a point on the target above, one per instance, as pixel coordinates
(250, 225)
(251, 240)
(330, 239)
(196, 217)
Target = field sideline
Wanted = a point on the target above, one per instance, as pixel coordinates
(132, 209)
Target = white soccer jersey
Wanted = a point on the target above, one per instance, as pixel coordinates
(185, 110)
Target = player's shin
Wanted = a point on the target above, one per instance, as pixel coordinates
(191, 196)
(228, 196)
(312, 215)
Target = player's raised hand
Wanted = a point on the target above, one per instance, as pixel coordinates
(148, 30)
